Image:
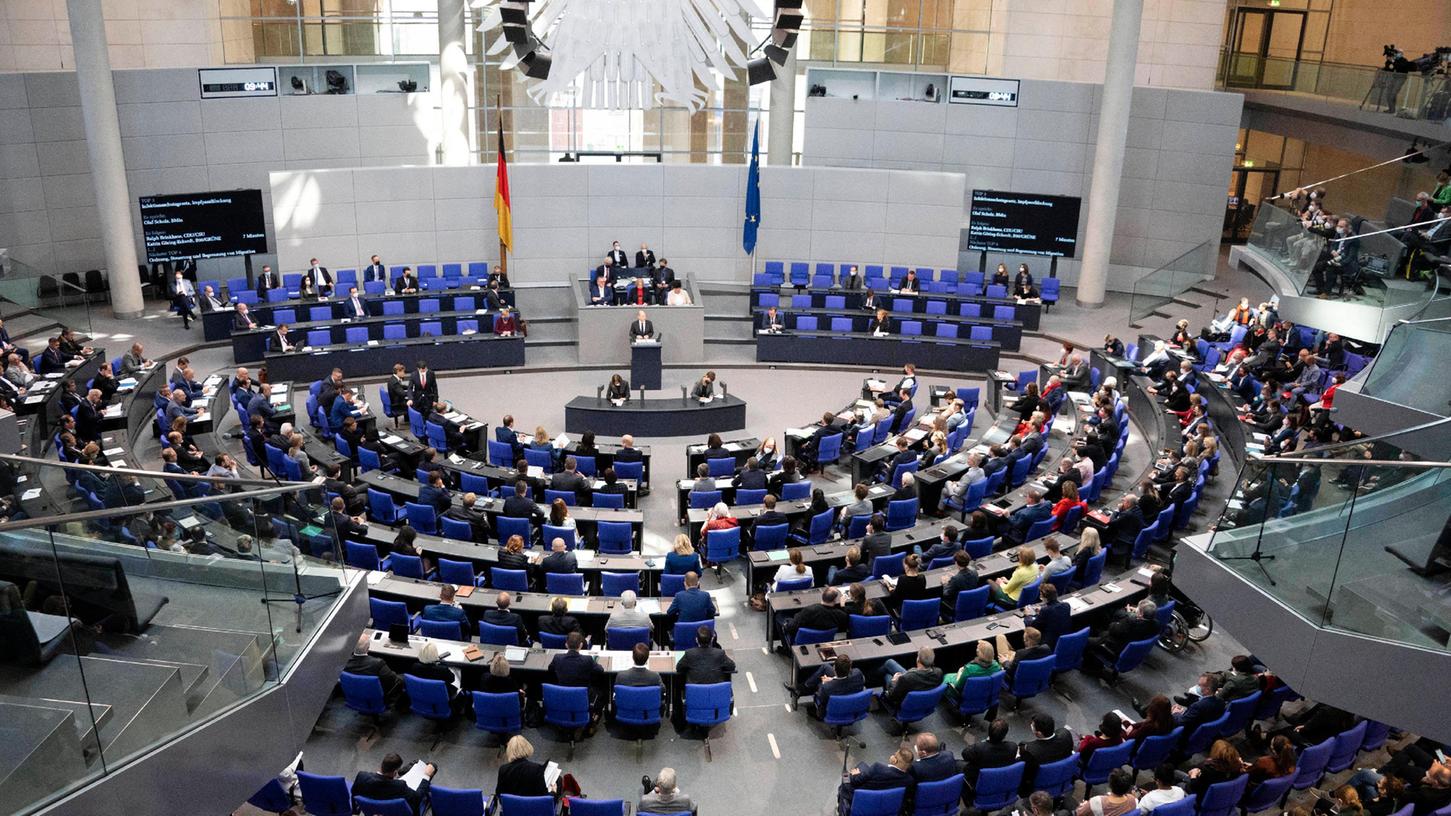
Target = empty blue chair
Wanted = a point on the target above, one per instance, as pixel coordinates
(512, 580)
(671, 584)
(613, 584)
(1311, 765)
(1376, 733)
(706, 706)
(1267, 794)
(946, 330)
(456, 801)
(319, 337)
(1068, 652)
(566, 708)
(869, 625)
(444, 630)
(361, 556)
(820, 526)
(381, 507)
(888, 565)
(723, 545)
(1240, 711)
(1205, 734)
(548, 533)
(1222, 798)
(971, 604)
(806, 636)
(1347, 745)
(796, 491)
(357, 336)
(980, 547)
(829, 451)
(750, 496)
(498, 635)
(496, 714)
(865, 802)
(1154, 751)
(386, 614)
(918, 705)
(456, 528)
(805, 323)
(919, 614)
(997, 290)
(1038, 529)
(550, 640)
(394, 331)
(610, 501)
(616, 537)
(383, 807)
(421, 517)
(1032, 678)
(637, 706)
(770, 537)
(980, 694)
(997, 787)
(428, 698)
(363, 693)
(430, 328)
(1132, 657)
(703, 499)
(625, 637)
(1056, 778)
(325, 795)
(1103, 761)
(856, 527)
(511, 805)
(556, 583)
(843, 710)
(901, 513)
(407, 566)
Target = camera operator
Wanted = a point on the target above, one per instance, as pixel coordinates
(1398, 67)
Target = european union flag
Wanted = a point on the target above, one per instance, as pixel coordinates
(753, 194)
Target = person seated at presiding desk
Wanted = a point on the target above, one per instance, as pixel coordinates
(601, 292)
(677, 295)
(374, 272)
(704, 390)
(643, 328)
(388, 784)
(618, 389)
(851, 279)
(770, 321)
(910, 282)
(211, 301)
(354, 307)
(318, 278)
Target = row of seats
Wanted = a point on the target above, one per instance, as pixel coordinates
(386, 613)
(897, 305)
(333, 796)
(877, 276)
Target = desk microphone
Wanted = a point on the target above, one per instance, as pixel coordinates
(599, 393)
(684, 394)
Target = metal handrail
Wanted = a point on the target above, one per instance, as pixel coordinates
(149, 474)
(150, 507)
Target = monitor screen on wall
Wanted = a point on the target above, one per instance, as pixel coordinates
(1023, 223)
(203, 225)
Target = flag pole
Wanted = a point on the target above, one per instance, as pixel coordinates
(499, 116)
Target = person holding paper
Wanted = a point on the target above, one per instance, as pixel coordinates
(387, 784)
(521, 776)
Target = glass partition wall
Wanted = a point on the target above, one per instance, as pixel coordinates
(1354, 537)
(129, 625)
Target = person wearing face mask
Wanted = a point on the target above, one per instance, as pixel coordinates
(1340, 262)
(183, 299)
(645, 258)
(617, 256)
(375, 271)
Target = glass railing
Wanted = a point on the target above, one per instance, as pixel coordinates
(1408, 349)
(1405, 96)
(1281, 238)
(1169, 281)
(1346, 537)
(129, 625)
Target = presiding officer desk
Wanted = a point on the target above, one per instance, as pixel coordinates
(376, 357)
(592, 611)
(797, 345)
(955, 643)
(975, 305)
(662, 416)
(531, 663)
(785, 604)
(584, 517)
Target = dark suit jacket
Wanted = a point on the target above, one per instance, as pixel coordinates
(636, 331)
(765, 322)
(879, 776)
(1053, 621)
(522, 777)
(937, 767)
(436, 497)
(563, 563)
(88, 421)
(376, 786)
(911, 680)
(405, 282)
(692, 605)
(521, 507)
(574, 669)
(987, 754)
(705, 664)
(268, 280)
(1124, 526)
(1042, 751)
(1203, 710)
(241, 322)
(355, 310)
(832, 686)
(500, 617)
(644, 259)
(875, 545)
(883, 325)
(423, 394)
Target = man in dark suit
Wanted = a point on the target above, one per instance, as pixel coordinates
(281, 340)
(1033, 649)
(360, 662)
(1208, 708)
(1053, 618)
(692, 603)
(8, 347)
(447, 609)
(894, 773)
(241, 320)
(477, 519)
(559, 561)
(662, 278)
(806, 451)
(375, 271)
(574, 669)
(770, 321)
(504, 432)
(1125, 629)
(570, 479)
(770, 516)
(1049, 744)
(52, 359)
(1033, 511)
(899, 413)
(877, 541)
(501, 616)
(645, 258)
(903, 456)
(519, 506)
(347, 526)
(617, 256)
(267, 279)
(407, 282)
(853, 571)
(422, 387)
(601, 290)
(751, 477)
(908, 488)
(897, 681)
(831, 679)
(705, 663)
(386, 784)
(88, 417)
(826, 614)
(435, 494)
(932, 764)
(639, 674)
(1124, 523)
(643, 328)
(354, 307)
(993, 752)
(322, 280)
(628, 452)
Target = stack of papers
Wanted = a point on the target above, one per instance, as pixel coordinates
(515, 654)
(1076, 605)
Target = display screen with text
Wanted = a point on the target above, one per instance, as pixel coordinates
(203, 225)
(1023, 223)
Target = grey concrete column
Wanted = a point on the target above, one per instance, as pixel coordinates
(103, 147)
(783, 114)
(1108, 151)
(453, 66)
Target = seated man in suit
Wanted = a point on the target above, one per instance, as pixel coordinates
(387, 784)
(282, 340)
(770, 321)
(354, 307)
(838, 677)
(1033, 649)
(447, 608)
(374, 272)
(827, 614)
(692, 603)
(346, 525)
(1049, 744)
(638, 674)
(662, 279)
(501, 616)
(504, 432)
(1124, 523)
(570, 479)
(897, 681)
(320, 277)
(993, 752)
(751, 477)
(903, 456)
(435, 494)
(559, 561)
(477, 519)
(806, 451)
(1076, 376)
(519, 505)
(574, 669)
(894, 773)
(1104, 648)
(1053, 618)
(362, 663)
(241, 320)
(602, 288)
(643, 328)
(706, 662)
(407, 282)
(932, 764)
(899, 413)
(1034, 510)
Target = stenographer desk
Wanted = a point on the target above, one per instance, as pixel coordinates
(447, 353)
(943, 354)
(656, 416)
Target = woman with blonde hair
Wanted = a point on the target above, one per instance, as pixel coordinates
(936, 449)
(1089, 545)
(520, 775)
(1005, 591)
(794, 569)
(683, 558)
(983, 664)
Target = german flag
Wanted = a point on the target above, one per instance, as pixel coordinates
(501, 197)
